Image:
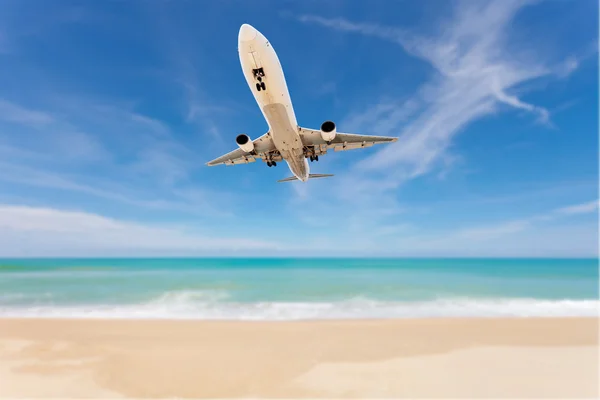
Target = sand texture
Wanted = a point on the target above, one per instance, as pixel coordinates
(420, 358)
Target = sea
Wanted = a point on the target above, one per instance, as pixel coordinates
(264, 289)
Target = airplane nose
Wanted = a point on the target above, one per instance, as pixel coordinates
(247, 33)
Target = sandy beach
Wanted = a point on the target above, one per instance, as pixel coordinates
(427, 358)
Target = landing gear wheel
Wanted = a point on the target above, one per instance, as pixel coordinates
(262, 85)
(312, 158)
(269, 164)
(274, 163)
(259, 86)
(316, 158)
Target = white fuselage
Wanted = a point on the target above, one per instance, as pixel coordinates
(256, 53)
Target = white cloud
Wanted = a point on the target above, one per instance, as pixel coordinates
(185, 70)
(154, 124)
(568, 67)
(574, 62)
(146, 166)
(506, 240)
(493, 231)
(38, 231)
(196, 201)
(198, 109)
(32, 231)
(475, 71)
(150, 149)
(583, 208)
(544, 115)
(541, 235)
(527, 237)
(51, 139)
(502, 229)
(12, 112)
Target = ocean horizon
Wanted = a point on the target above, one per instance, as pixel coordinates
(275, 288)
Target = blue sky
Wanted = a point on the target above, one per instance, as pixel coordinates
(110, 110)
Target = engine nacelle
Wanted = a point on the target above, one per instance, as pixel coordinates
(245, 143)
(328, 131)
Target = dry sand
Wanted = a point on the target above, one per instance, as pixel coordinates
(426, 358)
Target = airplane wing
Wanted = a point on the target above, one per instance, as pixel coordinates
(341, 141)
(263, 146)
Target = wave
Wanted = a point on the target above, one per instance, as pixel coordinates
(214, 305)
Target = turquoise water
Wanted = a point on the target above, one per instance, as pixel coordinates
(271, 288)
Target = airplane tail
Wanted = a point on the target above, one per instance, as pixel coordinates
(310, 176)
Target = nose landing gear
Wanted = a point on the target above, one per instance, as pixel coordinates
(259, 73)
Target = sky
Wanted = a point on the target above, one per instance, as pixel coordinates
(110, 110)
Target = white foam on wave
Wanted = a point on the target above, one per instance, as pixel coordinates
(215, 305)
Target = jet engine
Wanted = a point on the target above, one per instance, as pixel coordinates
(328, 131)
(245, 143)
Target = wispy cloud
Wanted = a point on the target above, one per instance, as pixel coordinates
(147, 146)
(514, 101)
(493, 231)
(583, 208)
(197, 201)
(487, 232)
(45, 136)
(476, 71)
(541, 235)
(140, 162)
(12, 112)
(185, 69)
(575, 60)
(551, 233)
(198, 110)
(568, 66)
(33, 231)
(18, 21)
(153, 124)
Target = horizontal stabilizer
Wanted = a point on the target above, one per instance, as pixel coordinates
(310, 176)
(315, 176)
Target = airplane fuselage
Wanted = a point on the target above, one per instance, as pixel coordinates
(264, 75)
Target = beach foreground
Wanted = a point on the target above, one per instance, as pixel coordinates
(493, 358)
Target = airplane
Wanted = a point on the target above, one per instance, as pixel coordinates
(285, 140)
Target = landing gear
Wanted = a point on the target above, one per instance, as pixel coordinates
(261, 86)
(271, 164)
(259, 73)
(314, 158)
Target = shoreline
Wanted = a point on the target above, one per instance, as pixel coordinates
(185, 305)
(297, 320)
(135, 358)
